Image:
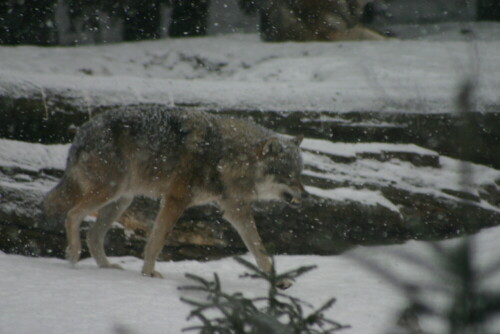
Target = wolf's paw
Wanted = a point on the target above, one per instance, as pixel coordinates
(284, 284)
(73, 255)
(154, 274)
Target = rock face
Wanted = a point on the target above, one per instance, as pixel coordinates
(362, 194)
(52, 116)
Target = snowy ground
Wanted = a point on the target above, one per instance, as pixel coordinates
(239, 71)
(41, 295)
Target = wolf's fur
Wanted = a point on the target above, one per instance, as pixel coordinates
(315, 20)
(187, 158)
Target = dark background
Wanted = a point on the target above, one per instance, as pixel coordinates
(74, 22)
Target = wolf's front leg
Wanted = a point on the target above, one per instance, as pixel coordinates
(241, 218)
(170, 210)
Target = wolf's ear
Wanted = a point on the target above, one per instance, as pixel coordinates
(297, 140)
(269, 146)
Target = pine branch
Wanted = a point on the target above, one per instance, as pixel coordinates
(279, 313)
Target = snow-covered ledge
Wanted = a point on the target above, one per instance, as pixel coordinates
(361, 194)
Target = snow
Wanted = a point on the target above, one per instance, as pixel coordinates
(353, 149)
(46, 295)
(239, 71)
(362, 173)
(34, 157)
(365, 196)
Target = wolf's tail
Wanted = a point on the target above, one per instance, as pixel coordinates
(61, 198)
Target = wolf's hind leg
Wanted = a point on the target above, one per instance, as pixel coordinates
(85, 205)
(72, 224)
(97, 232)
(73, 221)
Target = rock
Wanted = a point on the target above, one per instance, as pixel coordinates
(53, 115)
(361, 194)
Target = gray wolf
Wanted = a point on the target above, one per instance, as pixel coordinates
(186, 158)
(314, 20)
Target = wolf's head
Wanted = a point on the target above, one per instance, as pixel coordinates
(279, 169)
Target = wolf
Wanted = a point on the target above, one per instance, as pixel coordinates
(186, 158)
(315, 20)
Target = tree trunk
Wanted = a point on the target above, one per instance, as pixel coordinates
(189, 18)
(142, 20)
(488, 10)
(28, 22)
